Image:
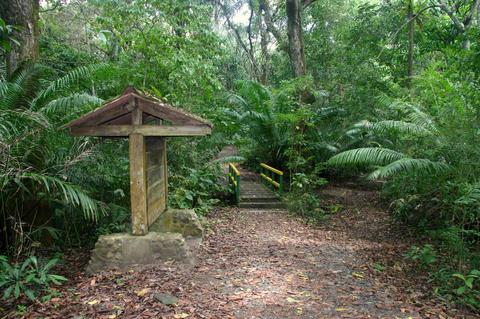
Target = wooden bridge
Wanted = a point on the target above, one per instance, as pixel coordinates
(256, 191)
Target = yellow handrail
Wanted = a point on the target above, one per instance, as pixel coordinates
(234, 169)
(234, 176)
(271, 181)
(276, 171)
(268, 170)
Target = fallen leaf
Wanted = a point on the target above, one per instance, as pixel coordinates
(180, 315)
(142, 292)
(93, 302)
(357, 275)
(292, 300)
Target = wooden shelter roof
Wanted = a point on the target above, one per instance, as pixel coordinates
(133, 112)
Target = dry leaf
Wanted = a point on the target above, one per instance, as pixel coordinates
(142, 292)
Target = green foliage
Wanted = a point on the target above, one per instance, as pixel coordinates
(198, 189)
(302, 199)
(468, 288)
(425, 256)
(31, 278)
(32, 171)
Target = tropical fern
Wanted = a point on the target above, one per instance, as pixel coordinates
(393, 126)
(62, 83)
(70, 103)
(408, 165)
(72, 194)
(367, 156)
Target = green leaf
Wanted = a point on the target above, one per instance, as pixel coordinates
(30, 294)
(469, 282)
(409, 165)
(365, 157)
(8, 292)
(460, 290)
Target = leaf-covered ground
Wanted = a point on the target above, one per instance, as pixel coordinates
(267, 264)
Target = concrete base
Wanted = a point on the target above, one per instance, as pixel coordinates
(122, 251)
(182, 221)
(175, 235)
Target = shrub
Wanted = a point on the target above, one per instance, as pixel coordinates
(29, 278)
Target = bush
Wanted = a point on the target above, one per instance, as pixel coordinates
(29, 278)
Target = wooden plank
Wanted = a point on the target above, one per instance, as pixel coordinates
(138, 184)
(104, 111)
(163, 159)
(145, 130)
(157, 175)
(137, 114)
(169, 113)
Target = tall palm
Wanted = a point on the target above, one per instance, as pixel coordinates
(259, 114)
(387, 162)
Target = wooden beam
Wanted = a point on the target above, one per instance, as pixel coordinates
(145, 130)
(137, 114)
(138, 184)
(110, 110)
(166, 112)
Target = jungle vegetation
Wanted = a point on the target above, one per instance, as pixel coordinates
(385, 90)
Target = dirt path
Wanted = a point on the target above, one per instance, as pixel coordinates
(267, 264)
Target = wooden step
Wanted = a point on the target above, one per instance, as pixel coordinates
(262, 205)
(258, 198)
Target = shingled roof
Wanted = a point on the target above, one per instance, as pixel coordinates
(133, 112)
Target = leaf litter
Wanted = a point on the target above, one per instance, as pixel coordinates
(268, 264)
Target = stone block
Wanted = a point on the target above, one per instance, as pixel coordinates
(122, 251)
(183, 221)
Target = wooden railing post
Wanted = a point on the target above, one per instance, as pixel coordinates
(268, 175)
(280, 190)
(234, 178)
(237, 191)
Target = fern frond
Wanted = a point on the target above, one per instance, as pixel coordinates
(235, 99)
(409, 165)
(391, 125)
(399, 126)
(73, 101)
(64, 82)
(365, 157)
(72, 194)
(471, 195)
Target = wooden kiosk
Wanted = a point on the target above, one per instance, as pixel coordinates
(146, 122)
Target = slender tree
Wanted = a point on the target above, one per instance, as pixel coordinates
(296, 45)
(23, 15)
(411, 32)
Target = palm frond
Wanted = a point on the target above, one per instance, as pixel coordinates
(235, 99)
(71, 194)
(64, 82)
(390, 126)
(71, 102)
(408, 165)
(365, 157)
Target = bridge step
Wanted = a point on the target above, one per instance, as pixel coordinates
(264, 205)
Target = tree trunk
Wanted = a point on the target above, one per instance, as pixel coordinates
(296, 46)
(23, 15)
(411, 31)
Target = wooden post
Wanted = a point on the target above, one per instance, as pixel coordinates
(156, 177)
(138, 177)
(138, 184)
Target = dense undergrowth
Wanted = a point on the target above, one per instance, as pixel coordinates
(356, 112)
